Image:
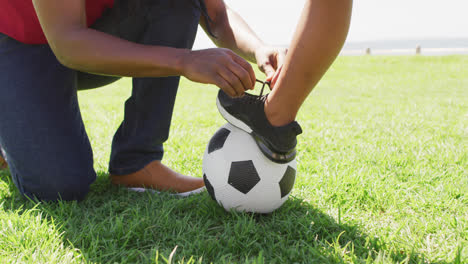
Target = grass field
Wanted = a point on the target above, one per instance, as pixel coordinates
(382, 178)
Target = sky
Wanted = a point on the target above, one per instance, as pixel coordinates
(274, 21)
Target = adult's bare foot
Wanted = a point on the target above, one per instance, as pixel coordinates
(160, 178)
(3, 164)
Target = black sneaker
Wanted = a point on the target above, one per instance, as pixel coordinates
(247, 113)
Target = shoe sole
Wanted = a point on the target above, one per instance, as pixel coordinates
(184, 194)
(263, 146)
(231, 119)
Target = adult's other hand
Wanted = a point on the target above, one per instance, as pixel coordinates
(221, 67)
(270, 59)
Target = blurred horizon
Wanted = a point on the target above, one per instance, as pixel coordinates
(377, 24)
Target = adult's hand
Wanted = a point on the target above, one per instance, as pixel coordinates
(274, 78)
(221, 67)
(270, 59)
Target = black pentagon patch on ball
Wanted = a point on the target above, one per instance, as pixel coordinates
(209, 187)
(243, 176)
(287, 182)
(218, 139)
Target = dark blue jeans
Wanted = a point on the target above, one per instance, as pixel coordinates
(41, 130)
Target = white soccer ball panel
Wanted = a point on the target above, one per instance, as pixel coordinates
(263, 198)
(241, 146)
(240, 177)
(216, 169)
(230, 198)
(270, 169)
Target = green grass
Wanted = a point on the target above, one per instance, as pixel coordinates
(383, 178)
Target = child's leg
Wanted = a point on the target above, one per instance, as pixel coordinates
(270, 119)
(319, 37)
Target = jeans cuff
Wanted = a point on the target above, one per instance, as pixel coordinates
(136, 166)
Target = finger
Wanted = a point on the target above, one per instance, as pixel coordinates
(233, 81)
(270, 78)
(269, 71)
(239, 60)
(281, 57)
(225, 86)
(275, 77)
(273, 81)
(242, 74)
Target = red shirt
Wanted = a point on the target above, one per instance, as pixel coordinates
(18, 19)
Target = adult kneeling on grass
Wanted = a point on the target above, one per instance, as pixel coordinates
(49, 49)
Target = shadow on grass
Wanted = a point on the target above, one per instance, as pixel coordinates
(116, 225)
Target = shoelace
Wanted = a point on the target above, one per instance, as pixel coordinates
(258, 99)
(263, 86)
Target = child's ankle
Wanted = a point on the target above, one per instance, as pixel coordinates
(277, 116)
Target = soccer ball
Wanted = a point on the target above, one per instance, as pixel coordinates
(240, 177)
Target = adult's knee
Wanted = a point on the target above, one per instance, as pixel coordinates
(66, 185)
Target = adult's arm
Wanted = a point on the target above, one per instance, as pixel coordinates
(79, 47)
(232, 32)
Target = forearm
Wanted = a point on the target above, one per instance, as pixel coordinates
(233, 33)
(81, 48)
(88, 50)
